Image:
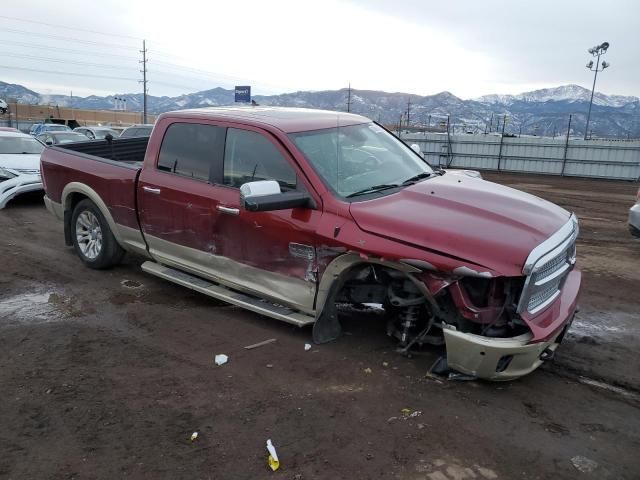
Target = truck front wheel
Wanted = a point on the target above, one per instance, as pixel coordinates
(92, 238)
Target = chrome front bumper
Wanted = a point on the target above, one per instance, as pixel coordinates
(9, 189)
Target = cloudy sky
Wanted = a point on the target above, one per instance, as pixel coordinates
(467, 47)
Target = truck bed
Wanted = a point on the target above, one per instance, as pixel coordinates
(108, 171)
(127, 150)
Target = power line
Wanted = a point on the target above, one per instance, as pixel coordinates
(58, 26)
(67, 50)
(11, 67)
(64, 38)
(59, 60)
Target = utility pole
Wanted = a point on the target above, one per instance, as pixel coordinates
(596, 52)
(408, 111)
(349, 98)
(145, 90)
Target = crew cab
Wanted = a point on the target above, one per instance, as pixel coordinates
(299, 214)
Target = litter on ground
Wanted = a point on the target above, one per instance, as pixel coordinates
(221, 359)
(260, 344)
(274, 463)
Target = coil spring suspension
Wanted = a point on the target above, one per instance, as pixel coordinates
(408, 301)
(408, 317)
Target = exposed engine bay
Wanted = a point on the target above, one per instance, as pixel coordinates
(480, 306)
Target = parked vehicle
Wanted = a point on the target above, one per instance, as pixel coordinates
(34, 128)
(49, 127)
(96, 133)
(634, 217)
(300, 214)
(19, 165)
(142, 130)
(58, 138)
(3, 106)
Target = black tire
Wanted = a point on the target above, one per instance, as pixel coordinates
(89, 225)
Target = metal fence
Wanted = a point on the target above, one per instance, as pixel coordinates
(615, 159)
(23, 125)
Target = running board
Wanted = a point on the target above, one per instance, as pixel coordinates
(227, 295)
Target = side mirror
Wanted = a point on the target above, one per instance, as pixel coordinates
(49, 142)
(265, 196)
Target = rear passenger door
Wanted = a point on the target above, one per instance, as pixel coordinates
(176, 201)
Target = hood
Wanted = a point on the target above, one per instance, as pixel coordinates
(484, 223)
(20, 161)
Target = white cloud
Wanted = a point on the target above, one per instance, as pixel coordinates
(467, 48)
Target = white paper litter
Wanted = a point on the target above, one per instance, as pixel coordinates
(221, 359)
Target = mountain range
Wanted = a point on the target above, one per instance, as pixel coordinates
(540, 112)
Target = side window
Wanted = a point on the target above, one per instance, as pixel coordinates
(250, 156)
(191, 149)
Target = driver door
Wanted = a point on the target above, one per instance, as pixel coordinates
(270, 253)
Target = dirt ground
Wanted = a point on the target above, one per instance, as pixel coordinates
(106, 374)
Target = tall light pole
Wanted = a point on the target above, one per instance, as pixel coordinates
(596, 52)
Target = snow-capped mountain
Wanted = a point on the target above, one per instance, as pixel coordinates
(542, 112)
(569, 93)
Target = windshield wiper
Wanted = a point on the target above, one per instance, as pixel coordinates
(373, 189)
(417, 177)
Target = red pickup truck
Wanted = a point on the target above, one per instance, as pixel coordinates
(302, 214)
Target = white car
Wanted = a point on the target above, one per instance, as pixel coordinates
(634, 217)
(19, 165)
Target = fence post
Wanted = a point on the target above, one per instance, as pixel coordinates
(449, 150)
(504, 122)
(566, 148)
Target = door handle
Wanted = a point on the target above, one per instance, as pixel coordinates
(151, 190)
(227, 210)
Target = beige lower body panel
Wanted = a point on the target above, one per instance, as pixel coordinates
(479, 356)
(296, 293)
(131, 240)
(227, 295)
(54, 208)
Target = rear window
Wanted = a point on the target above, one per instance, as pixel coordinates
(191, 149)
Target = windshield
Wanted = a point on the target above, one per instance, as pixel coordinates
(13, 145)
(359, 157)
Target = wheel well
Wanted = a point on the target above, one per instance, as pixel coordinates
(73, 199)
(362, 282)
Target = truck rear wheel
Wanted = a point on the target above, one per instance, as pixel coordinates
(93, 240)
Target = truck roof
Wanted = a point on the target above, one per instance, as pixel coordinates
(286, 119)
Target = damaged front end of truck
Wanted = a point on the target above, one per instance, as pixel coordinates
(491, 326)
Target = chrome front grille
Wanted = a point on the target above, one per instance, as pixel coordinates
(547, 267)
